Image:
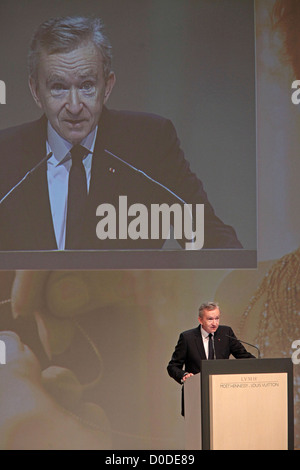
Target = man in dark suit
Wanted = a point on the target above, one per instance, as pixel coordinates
(70, 79)
(194, 345)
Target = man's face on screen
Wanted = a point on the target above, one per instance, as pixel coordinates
(70, 88)
(210, 320)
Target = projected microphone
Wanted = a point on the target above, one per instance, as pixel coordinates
(46, 158)
(155, 182)
(245, 342)
(146, 176)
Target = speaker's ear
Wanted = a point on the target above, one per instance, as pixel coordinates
(109, 86)
(34, 91)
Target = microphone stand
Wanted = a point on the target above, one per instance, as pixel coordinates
(192, 241)
(245, 342)
(26, 176)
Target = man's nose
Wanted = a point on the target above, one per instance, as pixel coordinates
(74, 104)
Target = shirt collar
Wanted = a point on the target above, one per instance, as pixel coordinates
(203, 332)
(61, 147)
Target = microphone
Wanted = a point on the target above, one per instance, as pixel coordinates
(245, 342)
(46, 158)
(146, 176)
(155, 182)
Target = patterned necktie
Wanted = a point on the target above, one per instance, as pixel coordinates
(77, 195)
(210, 347)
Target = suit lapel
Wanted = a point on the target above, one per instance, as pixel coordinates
(103, 181)
(199, 343)
(38, 209)
(35, 191)
(107, 175)
(218, 343)
(101, 184)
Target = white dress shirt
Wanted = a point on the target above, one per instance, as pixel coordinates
(205, 338)
(58, 168)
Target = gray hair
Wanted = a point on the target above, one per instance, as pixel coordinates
(64, 34)
(207, 306)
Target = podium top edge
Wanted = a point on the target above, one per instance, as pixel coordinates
(263, 365)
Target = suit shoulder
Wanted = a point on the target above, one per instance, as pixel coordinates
(16, 130)
(225, 330)
(142, 120)
(18, 148)
(224, 327)
(190, 332)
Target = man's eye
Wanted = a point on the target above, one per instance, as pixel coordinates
(57, 88)
(88, 87)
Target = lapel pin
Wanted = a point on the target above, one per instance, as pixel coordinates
(112, 170)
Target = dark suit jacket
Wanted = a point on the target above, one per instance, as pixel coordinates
(146, 141)
(189, 351)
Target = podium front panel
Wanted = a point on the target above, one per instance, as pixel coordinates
(244, 403)
(248, 411)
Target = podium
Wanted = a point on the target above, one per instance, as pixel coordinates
(240, 404)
